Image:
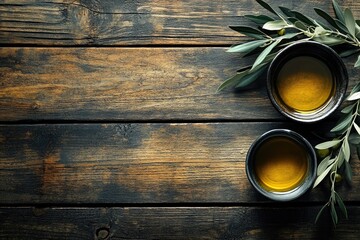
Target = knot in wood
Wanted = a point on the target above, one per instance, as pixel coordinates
(102, 233)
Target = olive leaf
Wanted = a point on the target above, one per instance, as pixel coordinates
(327, 17)
(323, 175)
(346, 150)
(249, 31)
(348, 52)
(320, 212)
(357, 128)
(338, 11)
(247, 47)
(300, 25)
(275, 25)
(355, 89)
(328, 144)
(342, 124)
(354, 138)
(244, 77)
(334, 214)
(354, 96)
(349, 21)
(232, 81)
(348, 109)
(303, 18)
(252, 76)
(287, 12)
(357, 63)
(267, 7)
(341, 205)
(266, 52)
(329, 40)
(259, 19)
(341, 26)
(348, 172)
(324, 164)
(340, 158)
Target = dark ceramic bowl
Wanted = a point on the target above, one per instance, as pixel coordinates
(320, 52)
(308, 178)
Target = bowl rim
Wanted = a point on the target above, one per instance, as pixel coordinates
(340, 92)
(299, 190)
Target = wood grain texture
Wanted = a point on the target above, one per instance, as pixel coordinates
(137, 163)
(128, 84)
(123, 84)
(173, 223)
(111, 22)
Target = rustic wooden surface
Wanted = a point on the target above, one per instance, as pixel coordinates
(111, 127)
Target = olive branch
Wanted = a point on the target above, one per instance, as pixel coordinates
(284, 27)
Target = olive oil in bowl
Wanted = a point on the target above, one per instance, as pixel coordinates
(305, 84)
(307, 81)
(281, 165)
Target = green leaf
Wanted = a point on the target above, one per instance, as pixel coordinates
(319, 31)
(338, 11)
(259, 19)
(357, 128)
(248, 31)
(348, 109)
(301, 25)
(264, 53)
(341, 26)
(289, 35)
(324, 164)
(275, 25)
(354, 96)
(340, 158)
(327, 17)
(349, 52)
(354, 139)
(346, 150)
(328, 144)
(341, 205)
(357, 63)
(247, 47)
(348, 172)
(323, 175)
(287, 11)
(252, 76)
(232, 81)
(334, 214)
(267, 7)
(342, 124)
(356, 88)
(320, 212)
(349, 21)
(329, 40)
(303, 18)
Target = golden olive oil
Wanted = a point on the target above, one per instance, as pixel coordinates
(281, 164)
(305, 84)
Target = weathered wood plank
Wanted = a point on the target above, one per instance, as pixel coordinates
(136, 163)
(124, 84)
(111, 22)
(174, 223)
(127, 84)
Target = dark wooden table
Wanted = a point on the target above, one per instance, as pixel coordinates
(111, 127)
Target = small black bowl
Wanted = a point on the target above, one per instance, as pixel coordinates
(309, 154)
(325, 56)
